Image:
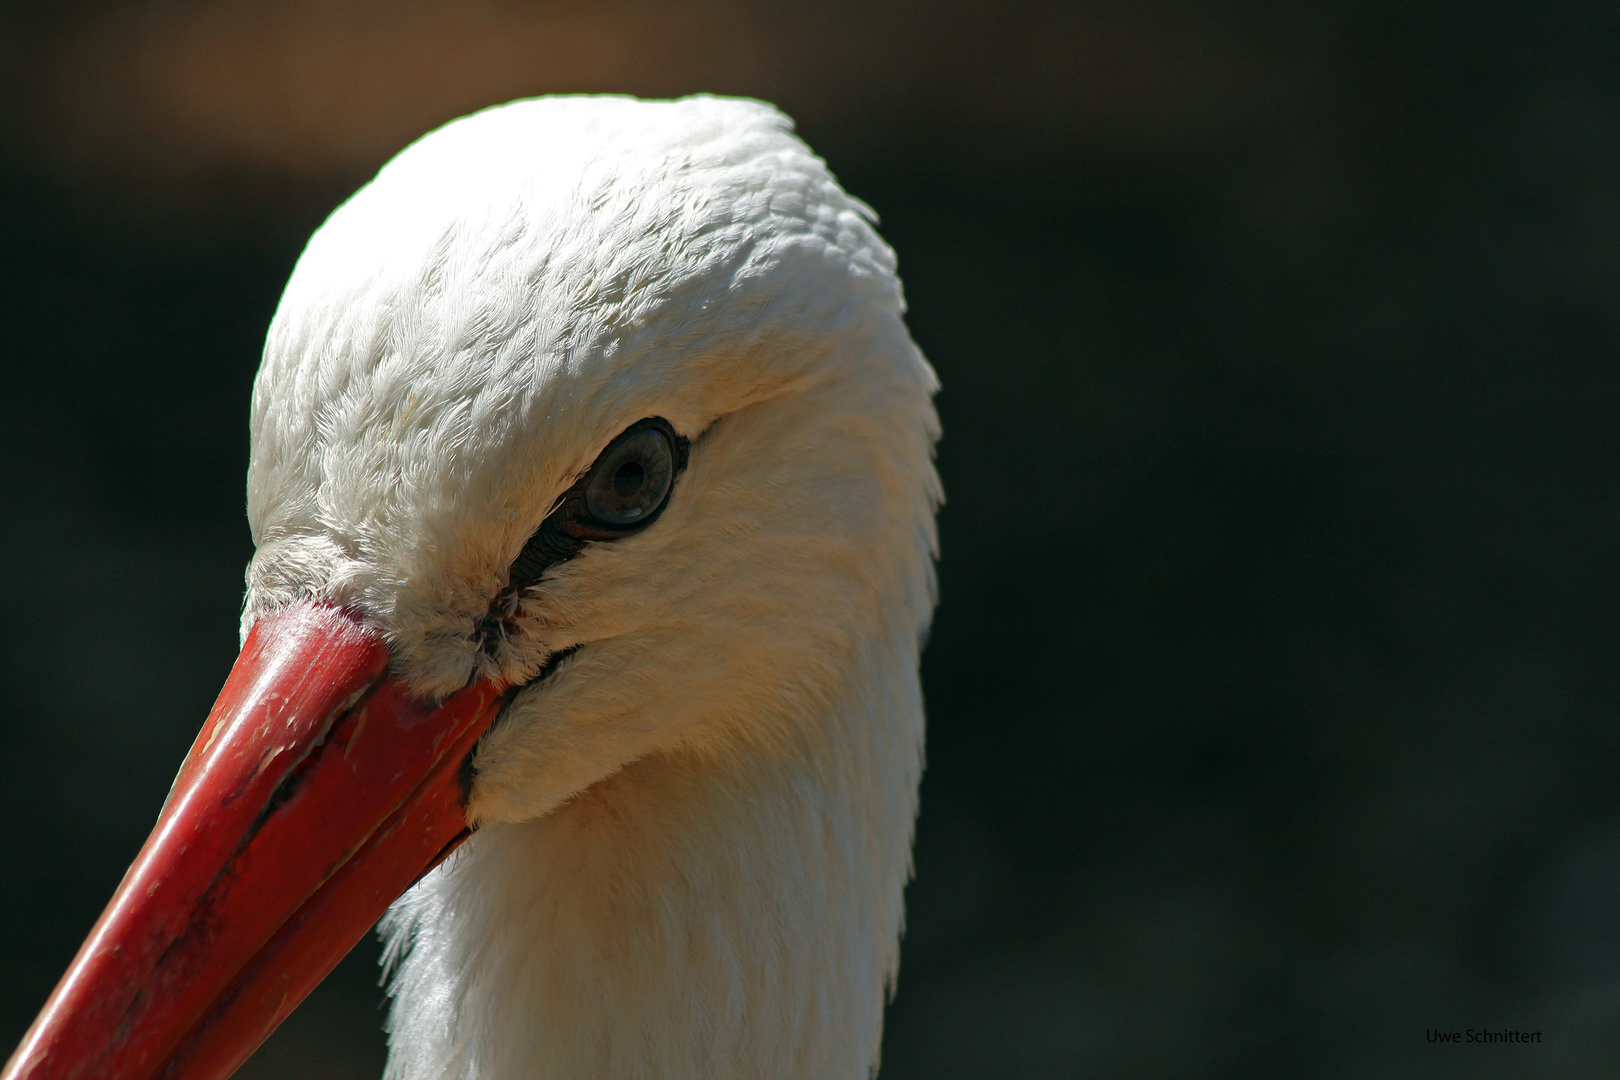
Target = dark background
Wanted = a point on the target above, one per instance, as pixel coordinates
(1273, 688)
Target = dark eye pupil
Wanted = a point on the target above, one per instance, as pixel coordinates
(628, 480)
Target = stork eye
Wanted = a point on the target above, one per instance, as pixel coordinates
(631, 478)
(623, 493)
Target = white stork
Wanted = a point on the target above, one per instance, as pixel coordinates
(593, 497)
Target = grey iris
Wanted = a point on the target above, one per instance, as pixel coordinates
(632, 480)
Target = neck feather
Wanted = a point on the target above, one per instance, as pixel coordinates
(731, 915)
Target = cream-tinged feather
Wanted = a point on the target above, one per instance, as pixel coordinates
(694, 834)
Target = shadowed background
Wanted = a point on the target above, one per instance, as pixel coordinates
(1273, 691)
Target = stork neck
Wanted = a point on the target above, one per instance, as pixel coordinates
(695, 914)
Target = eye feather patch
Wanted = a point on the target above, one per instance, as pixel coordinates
(623, 492)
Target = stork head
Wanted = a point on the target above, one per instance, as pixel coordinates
(588, 430)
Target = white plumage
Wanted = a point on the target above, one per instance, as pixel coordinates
(694, 834)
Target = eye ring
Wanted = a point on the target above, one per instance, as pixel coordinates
(631, 480)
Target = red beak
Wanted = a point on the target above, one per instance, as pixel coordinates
(316, 793)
